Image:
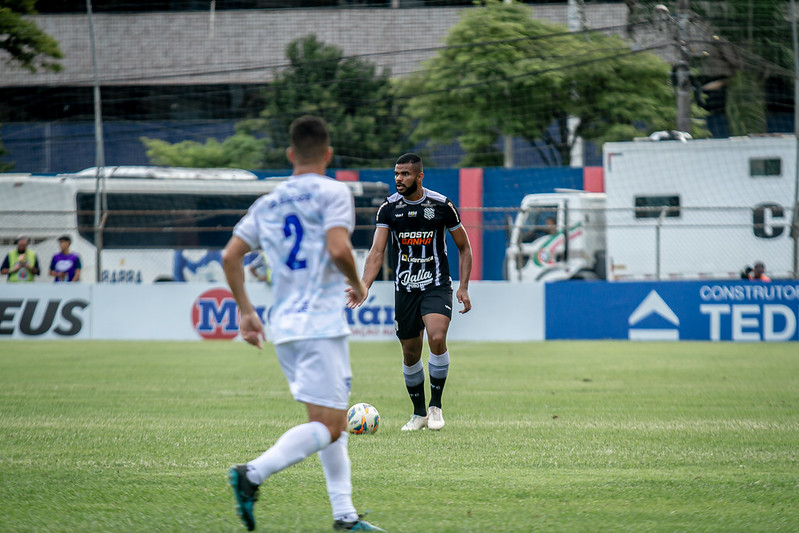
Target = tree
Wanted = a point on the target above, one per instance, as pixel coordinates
(367, 126)
(24, 43)
(761, 35)
(504, 73)
(749, 54)
(242, 150)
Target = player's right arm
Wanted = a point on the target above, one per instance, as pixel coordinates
(252, 330)
(374, 260)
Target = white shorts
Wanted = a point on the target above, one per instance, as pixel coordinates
(318, 370)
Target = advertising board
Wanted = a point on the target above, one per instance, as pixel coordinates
(740, 311)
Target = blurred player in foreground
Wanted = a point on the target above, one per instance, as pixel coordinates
(304, 228)
(418, 220)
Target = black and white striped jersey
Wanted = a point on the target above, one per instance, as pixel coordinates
(418, 231)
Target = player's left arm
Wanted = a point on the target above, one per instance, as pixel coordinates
(461, 239)
(252, 330)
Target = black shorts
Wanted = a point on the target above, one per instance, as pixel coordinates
(410, 307)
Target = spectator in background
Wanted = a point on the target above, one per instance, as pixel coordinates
(65, 265)
(759, 272)
(21, 263)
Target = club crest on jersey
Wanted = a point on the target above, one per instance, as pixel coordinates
(429, 213)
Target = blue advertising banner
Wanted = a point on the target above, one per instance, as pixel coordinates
(673, 310)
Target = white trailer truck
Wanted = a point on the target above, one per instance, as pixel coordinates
(701, 209)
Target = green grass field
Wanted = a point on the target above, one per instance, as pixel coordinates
(556, 436)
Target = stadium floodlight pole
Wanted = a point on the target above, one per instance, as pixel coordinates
(795, 218)
(99, 152)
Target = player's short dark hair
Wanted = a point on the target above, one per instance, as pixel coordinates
(414, 159)
(310, 138)
(65, 238)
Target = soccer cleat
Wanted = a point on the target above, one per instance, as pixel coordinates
(415, 423)
(246, 494)
(357, 525)
(435, 420)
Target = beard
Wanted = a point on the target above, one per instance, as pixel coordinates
(410, 190)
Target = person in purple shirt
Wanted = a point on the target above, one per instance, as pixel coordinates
(65, 265)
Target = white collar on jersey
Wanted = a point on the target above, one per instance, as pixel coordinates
(419, 201)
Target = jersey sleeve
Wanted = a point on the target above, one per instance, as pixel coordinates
(383, 216)
(339, 209)
(247, 230)
(452, 218)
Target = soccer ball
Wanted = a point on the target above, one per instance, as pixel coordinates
(362, 418)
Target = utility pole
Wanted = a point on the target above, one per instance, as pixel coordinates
(683, 71)
(99, 154)
(795, 218)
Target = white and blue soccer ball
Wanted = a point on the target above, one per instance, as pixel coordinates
(362, 418)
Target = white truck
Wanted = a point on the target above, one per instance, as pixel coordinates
(698, 209)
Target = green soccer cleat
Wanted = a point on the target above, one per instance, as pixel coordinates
(246, 494)
(357, 525)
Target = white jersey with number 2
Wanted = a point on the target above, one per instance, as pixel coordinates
(290, 226)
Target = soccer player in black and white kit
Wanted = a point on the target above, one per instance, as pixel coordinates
(418, 220)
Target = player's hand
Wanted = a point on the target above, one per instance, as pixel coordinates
(252, 329)
(463, 298)
(356, 296)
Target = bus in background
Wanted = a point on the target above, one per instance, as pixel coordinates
(159, 223)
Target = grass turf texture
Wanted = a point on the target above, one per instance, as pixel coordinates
(557, 436)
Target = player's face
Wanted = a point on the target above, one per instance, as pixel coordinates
(406, 179)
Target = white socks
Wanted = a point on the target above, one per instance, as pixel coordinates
(292, 447)
(303, 441)
(336, 464)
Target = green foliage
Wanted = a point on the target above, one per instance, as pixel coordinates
(555, 437)
(367, 125)
(239, 151)
(5, 167)
(505, 73)
(23, 41)
(746, 104)
(761, 35)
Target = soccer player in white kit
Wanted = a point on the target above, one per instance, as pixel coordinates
(304, 228)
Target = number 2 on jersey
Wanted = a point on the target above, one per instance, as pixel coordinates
(292, 225)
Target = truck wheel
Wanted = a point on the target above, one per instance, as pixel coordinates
(600, 264)
(585, 275)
